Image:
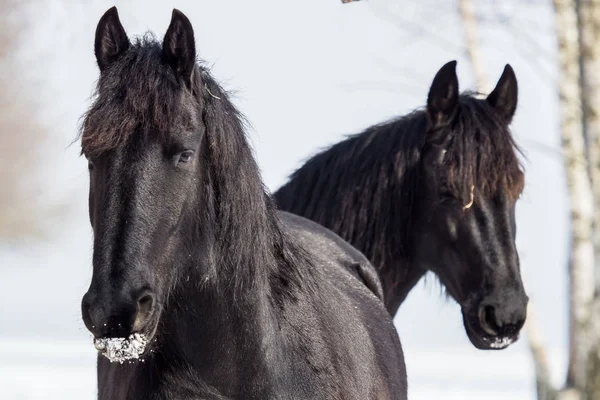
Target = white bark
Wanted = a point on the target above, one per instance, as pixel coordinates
(589, 30)
(581, 263)
(567, 394)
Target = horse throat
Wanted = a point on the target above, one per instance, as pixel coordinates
(214, 332)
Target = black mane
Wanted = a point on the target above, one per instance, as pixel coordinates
(367, 176)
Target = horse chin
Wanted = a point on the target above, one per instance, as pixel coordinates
(482, 340)
(149, 333)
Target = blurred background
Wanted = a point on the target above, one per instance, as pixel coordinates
(306, 73)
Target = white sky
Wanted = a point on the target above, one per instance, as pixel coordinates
(306, 73)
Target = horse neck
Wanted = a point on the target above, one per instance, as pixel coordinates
(392, 209)
(380, 222)
(388, 205)
(219, 314)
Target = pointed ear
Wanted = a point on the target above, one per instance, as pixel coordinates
(504, 96)
(111, 40)
(443, 95)
(179, 48)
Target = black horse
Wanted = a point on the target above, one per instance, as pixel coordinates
(235, 300)
(433, 190)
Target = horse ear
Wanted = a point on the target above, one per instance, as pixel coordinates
(443, 95)
(179, 48)
(504, 96)
(111, 40)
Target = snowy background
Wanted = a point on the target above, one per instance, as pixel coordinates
(305, 73)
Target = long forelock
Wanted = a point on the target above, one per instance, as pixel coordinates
(482, 156)
(137, 93)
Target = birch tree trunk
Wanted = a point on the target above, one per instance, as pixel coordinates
(589, 39)
(581, 260)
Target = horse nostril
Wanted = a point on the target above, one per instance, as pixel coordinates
(145, 304)
(145, 309)
(487, 320)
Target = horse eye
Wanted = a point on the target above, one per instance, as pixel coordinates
(185, 157)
